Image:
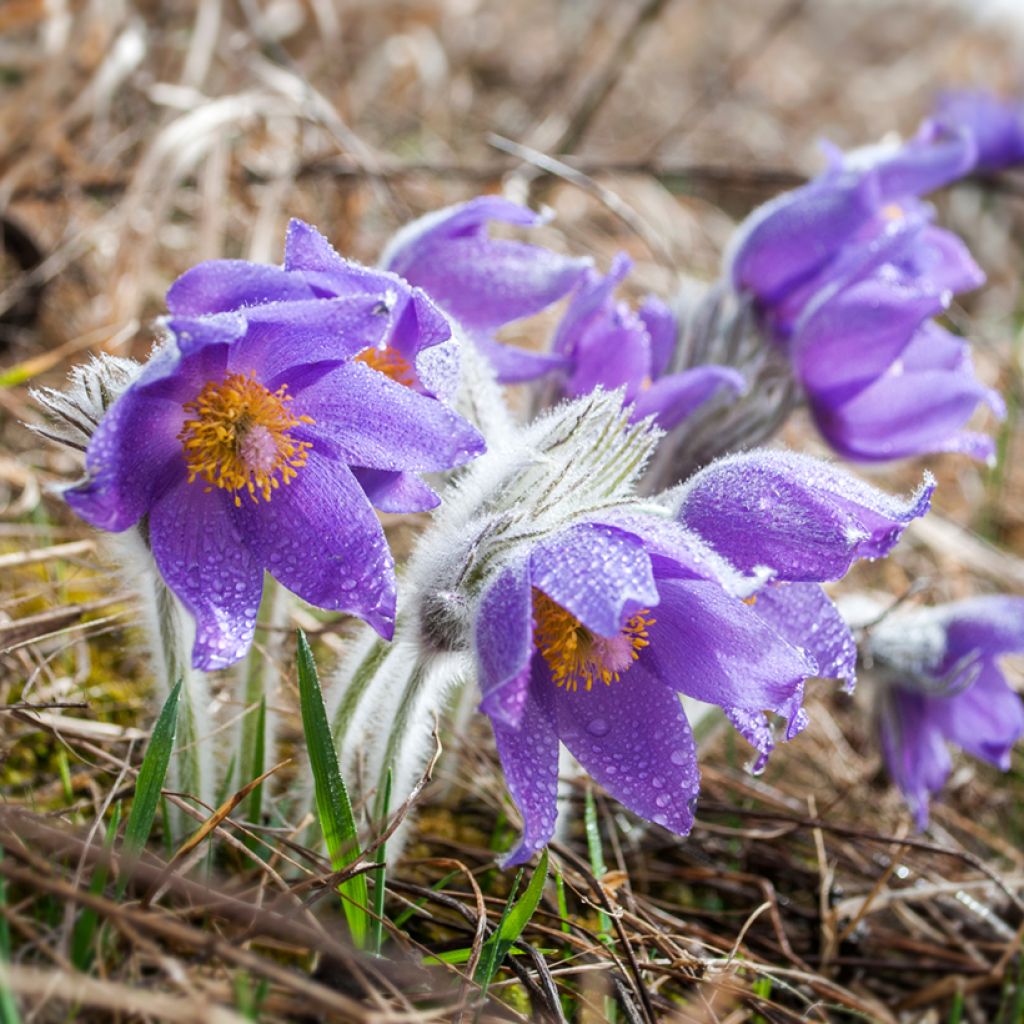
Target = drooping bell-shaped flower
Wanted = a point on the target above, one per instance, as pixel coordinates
(585, 633)
(257, 439)
(940, 685)
(846, 275)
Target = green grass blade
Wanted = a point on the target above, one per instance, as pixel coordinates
(257, 766)
(8, 1007)
(596, 856)
(333, 807)
(150, 782)
(377, 920)
(513, 923)
(85, 926)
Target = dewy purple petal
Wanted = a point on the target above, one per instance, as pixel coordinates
(798, 516)
(202, 554)
(638, 745)
(395, 490)
(803, 614)
(324, 511)
(368, 420)
(566, 566)
(529, 759)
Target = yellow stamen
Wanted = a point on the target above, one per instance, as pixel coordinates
(389, 362)
(577, 656)
(239, 437)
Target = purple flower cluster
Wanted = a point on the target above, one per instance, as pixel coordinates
(589, 635)
(943, 685)
(847, 275)
(262, 434)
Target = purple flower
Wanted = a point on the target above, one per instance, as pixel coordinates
(588, 636)
(995, 124)
(853, 311)
(483, 282)
(606, 344)
(257, 440)
(942, 685)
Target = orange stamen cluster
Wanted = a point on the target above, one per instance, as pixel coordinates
(575, 655)
(239, 437)
(389, 362)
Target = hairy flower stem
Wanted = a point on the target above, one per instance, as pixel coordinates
(170, 633)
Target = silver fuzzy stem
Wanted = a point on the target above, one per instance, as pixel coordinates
(718, 327)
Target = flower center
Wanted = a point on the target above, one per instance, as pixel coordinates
(389, 362)
(239, 437)
(577, 656)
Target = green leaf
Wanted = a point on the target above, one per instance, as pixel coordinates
(8, 1007)
(85, 926)
(150, 782)
(514, 920)
(596, 860)
(257, 766)
(333, 807)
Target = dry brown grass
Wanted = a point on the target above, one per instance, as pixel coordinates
(141, 137)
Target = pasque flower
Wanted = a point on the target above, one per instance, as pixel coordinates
(587, 634)
(996, 125)
(484, 283)
(940, 684)
(847, 274)
(606, 344)
(257, 439)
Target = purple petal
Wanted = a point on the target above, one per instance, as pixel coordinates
(392, 491)
(673, 398)
(790, 237)
(986, 720)
(590, 302)
(941, 258)
(914, 748)
(804, 519)
(282, 335)
(663, 331)
(634, 739)
(803, 614)
(600, 574)
(368, 420)
(503, 635)
(319, 537)
(905, 414)
(468, 219)
(515, 365)
(220, 286)
(203, 558)
(846, 342)
(135, 455)
(935, 157)
(993, 624)
(529, 759)
(613, 351)
(484, 283)
(996, 125)
(714, 647)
